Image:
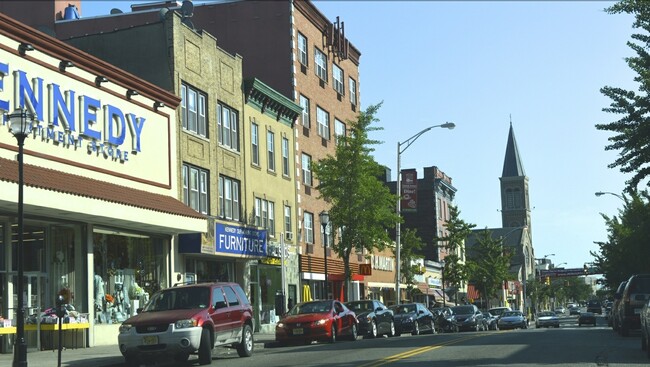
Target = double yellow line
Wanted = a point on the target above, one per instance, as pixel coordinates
(414, 352)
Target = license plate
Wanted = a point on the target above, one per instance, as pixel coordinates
(297, 331)
(150, 340)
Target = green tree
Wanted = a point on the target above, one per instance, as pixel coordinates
(489, 263)
(632, 130)
(362, 207)
(454, 271)
(626, 250)
(411, 245)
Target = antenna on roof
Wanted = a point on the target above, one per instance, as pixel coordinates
(162, 13)
(187, 10)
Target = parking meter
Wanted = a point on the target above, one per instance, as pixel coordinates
(60, 312)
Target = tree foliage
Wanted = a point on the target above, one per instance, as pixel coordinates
(626, 250)
(489, 264)
(632, 129)
(361, 205)
(455, 272)
(411, 245)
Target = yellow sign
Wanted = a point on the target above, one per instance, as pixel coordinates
(365, 269)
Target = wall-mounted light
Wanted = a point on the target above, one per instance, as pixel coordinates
(158, 105)
(99, 80)
(131, 92)
(24, 47)
(65, 64)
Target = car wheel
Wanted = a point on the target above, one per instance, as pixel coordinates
(245, 348)
(353, 332)
(416, 328)
(477, 328)
(392, 333)
(333, 336)
(205, 348)
(373, 329)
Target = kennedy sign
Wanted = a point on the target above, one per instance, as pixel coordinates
(240, 240)
(409, 194)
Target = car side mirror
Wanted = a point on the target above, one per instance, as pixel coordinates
(220, 304)
(379, 309)
(421, 311)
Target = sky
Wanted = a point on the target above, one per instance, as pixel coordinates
(483, 65)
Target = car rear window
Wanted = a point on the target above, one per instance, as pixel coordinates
(640, 285)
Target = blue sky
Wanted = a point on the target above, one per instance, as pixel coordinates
(476, 64)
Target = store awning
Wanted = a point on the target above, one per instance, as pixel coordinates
(341, 277)
(425, 289)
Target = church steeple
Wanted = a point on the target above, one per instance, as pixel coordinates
(512, 166)
(515, 204)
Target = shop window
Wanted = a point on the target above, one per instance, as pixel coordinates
(128, 269)
(210, 270)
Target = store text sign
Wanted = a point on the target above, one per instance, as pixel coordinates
(240, 240)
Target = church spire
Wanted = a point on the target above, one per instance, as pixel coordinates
(512, 166)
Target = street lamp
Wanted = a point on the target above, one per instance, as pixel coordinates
(558, 265)
(401, 147)
(485, 295)
(324, 220)
(20, 125)
(601, 193)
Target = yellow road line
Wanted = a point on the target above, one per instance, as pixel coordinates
(414, 352)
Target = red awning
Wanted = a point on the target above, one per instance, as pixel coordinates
(341, 277)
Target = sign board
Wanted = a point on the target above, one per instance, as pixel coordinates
(409, 191)
(365, 269)
(559, 273)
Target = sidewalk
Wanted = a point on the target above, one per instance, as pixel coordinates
(101, 356)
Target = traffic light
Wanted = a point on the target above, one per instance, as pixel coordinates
(547, 281)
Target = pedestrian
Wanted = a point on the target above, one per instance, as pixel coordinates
(290, 303)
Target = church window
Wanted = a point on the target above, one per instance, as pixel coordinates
(517, 198)
(510, 199)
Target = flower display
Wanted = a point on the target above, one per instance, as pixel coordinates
(109, 298)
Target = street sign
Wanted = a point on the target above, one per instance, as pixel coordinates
(559, 273)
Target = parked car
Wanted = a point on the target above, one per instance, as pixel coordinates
(413, 318)
(575, 310)
(189, 319)
(374, 318)
(608, 308)
(491, 321)
(595, 306)
(645, 328)
(497, 311)
(614, 320)
(443, 318)
(634, 296)
(469, 317)
(512, 320)
(587, 318)
(547, 319)
(323, 320)
(560, 310)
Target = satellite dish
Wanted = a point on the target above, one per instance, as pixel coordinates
(188, 23)
(162, 13)
(116, 11)
(187, 8)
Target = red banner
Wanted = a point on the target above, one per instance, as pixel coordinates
(409, 194)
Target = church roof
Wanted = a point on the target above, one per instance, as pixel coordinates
(512, 165)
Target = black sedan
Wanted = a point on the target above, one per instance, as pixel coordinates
(587, 318)
(413, 318)
(469, 317)
(374, 318)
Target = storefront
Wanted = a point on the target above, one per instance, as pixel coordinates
(100, 186)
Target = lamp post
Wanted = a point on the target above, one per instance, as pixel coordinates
(20, 125)
(401, 147)
(601, 193)
(324, 220)
(444, 294)
(485, 295)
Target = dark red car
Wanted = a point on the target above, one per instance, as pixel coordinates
(189, 319)
(317, 320)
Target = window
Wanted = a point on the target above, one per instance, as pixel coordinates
(270, 148)
(255, 144)
(306, 169)
(321, 64)
(231, 296)
(287, 219)
(195, 188)
(193, 110)
(265, 215)
(227, 126)
(353, 91)
(304, 103)
(285, 156)
(309, 227)
(339, 129)
(337, 76)
(302, 49)
(229, 198)
(323, 119)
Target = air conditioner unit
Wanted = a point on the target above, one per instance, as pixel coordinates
(288, 236)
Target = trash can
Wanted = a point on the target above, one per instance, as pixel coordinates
(280, 303)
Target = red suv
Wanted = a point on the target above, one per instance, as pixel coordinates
(189, 319)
